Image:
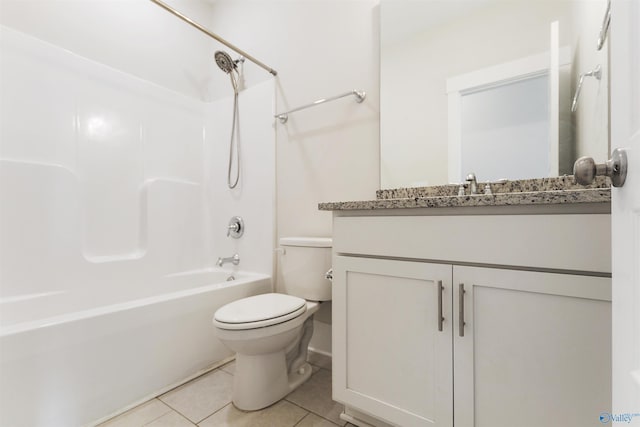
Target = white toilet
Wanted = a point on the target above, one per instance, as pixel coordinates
(270, 332)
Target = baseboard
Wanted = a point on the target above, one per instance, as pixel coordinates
(317, 351)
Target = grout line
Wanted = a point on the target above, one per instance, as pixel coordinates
(172, 410)
(301, 419)
(186, 385)
(179, 413)
(215, 412)
(196, 422)
(310, 411)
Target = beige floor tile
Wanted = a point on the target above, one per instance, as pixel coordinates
(319, 360)
(171, 419)
(229, 367)
(140, 415)
(315, 396)
(312, 420)
(281, 414)
(201, 397)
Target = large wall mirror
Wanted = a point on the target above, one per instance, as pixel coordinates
(486, 86)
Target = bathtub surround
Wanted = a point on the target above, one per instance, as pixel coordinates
(96, 151)
(113, 215)
(254, 197)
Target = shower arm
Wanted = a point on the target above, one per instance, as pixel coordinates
(214, 36)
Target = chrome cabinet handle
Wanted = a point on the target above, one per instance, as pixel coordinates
(585, 169)
(440, 318)
(461, 292)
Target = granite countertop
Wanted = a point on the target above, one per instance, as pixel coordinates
(544, 191)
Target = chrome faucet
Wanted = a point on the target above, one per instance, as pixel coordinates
(235, 260)
(473, 184)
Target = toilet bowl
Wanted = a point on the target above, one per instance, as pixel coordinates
(270, 332)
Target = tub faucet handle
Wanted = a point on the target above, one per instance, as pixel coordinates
(235, 228)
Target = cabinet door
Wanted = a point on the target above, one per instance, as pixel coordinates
(391, 360)
(536, 349)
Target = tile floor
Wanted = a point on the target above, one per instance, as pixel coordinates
(206, 402)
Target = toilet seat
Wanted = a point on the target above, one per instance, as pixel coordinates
(259, 311)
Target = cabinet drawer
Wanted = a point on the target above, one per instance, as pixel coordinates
(561, 242)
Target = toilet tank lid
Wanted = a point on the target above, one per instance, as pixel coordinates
(312, 242)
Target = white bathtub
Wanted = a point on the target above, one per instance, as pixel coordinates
(68, 359)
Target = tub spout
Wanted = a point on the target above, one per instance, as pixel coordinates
(235, 260)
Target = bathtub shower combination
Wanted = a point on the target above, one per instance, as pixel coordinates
(114, 210)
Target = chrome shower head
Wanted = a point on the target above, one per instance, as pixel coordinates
(224, 61)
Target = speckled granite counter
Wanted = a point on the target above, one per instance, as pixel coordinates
(546, 191)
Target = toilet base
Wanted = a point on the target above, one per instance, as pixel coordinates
(261, 381)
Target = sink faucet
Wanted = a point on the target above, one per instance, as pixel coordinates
(473, 184)
(235, 260)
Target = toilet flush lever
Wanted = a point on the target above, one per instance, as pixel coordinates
(585, 169)
(329, 275)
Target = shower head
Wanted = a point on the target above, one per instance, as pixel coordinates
(224, 61)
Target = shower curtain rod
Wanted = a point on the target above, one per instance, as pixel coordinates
(214, 36)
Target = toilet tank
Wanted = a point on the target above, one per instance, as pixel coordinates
(304, 262)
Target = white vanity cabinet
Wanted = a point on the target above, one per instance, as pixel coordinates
(525, 338)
